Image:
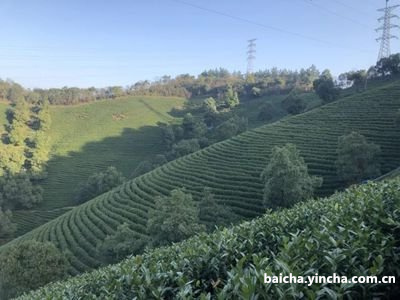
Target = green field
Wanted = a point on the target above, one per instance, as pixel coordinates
(354, 233)
(90, 137)
(232, 170)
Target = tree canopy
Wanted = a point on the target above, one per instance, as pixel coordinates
(357, 159)
(286, 178)
(173, 219)
(28, 266)
(122, 243)
(99, 183)
(325, 87)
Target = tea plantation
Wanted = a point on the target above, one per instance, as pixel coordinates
(232, 170)
(354, 233)
(88, 138)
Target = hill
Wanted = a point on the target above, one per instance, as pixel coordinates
(354, 233)
(88, 138)
(232, 170)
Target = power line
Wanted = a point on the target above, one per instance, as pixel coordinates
(269, 27)
(351, 7)
(327, 10)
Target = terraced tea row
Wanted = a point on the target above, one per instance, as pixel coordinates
(354, 233)
(232, 170)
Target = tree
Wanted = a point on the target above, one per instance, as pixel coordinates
(325, 87)
(99, 183)
(20, 116)
(389, 65)
(209, 105)
(146, 166)
(358, 78)
(286, 178)
(185, 147)
(294, 105)
(122, 243)
(231, 127)
(193, 128)
(7, 228)
(231, 97)
(267, 112)
(29, 265)
(174, 218)
(12, 159)
(167, 135)
(17, 191)
(357, 159)
(211, 213)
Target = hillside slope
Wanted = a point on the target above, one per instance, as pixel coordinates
(354, 233)
(88, 138)
(232, 170)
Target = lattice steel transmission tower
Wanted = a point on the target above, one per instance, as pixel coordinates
(251, 51)
(384, 50)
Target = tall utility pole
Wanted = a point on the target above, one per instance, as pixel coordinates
(384, 50)
(251, 51)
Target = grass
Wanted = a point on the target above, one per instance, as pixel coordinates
(90, 137)
(354, 233)
(232, 170)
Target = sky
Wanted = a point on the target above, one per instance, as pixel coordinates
(83, 43)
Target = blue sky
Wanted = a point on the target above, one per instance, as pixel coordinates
(99, 43)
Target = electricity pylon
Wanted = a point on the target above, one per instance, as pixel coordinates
(384, 50)
(251, 51)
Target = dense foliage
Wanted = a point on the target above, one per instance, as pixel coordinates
(99, 183)
(17, 191)
(122, 243)
(218, 83)
(354, 233)
(28, 266)
(7, 228)
(357, 159)
(213, 214)
(232, 170)
(325, 87)
(286, 178)
(174, 218)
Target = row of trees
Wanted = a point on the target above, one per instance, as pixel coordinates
(384, 68)
(213, 83)
(209, 83)
(12, 91)
(24, 151)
